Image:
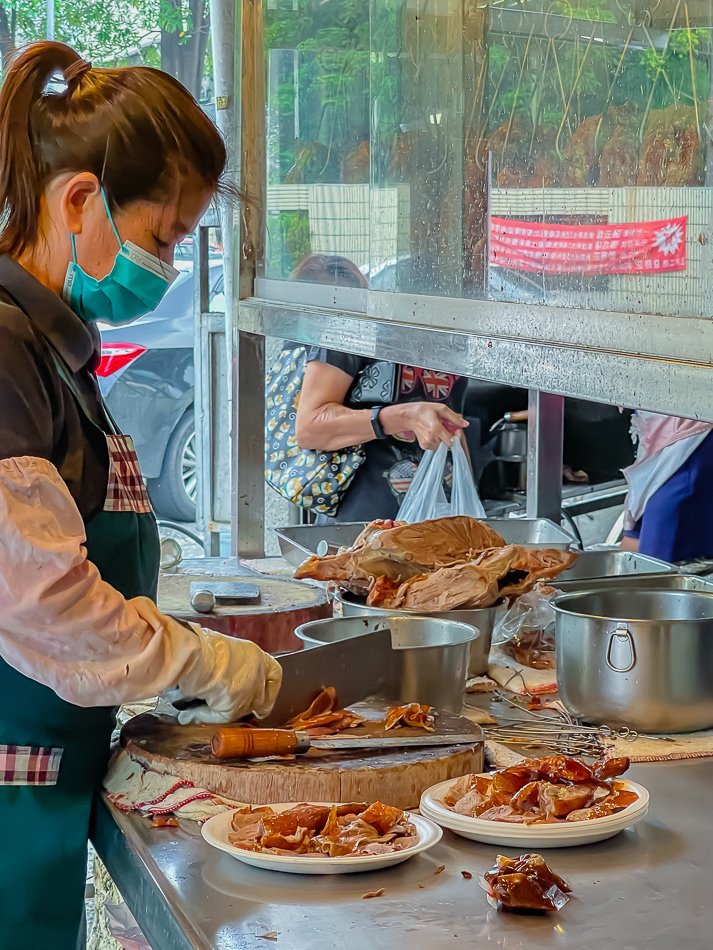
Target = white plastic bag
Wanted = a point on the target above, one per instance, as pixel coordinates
(526, 632)
(426, 498)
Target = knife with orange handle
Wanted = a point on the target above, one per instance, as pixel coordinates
(243, 742)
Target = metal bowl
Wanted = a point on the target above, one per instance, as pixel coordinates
(612, 565)
(483, 620)
(641, 658)
(432, 653)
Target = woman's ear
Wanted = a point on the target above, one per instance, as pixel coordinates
(77, 198)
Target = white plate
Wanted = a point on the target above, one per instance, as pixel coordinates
(217, 829)
(565, 835)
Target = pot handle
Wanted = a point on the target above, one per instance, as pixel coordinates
(621, 655)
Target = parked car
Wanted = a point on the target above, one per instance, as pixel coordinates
(147, 377)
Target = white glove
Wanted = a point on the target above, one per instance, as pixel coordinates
(232, 677)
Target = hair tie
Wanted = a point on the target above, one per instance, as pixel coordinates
(75, 72)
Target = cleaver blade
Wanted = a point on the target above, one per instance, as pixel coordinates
(357, 668)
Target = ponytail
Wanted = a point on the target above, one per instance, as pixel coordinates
(21, 171)
(137, 129)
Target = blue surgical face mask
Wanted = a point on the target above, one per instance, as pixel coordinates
(136, 284)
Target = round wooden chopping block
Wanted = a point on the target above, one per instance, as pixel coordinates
(271, 623)
(396, 778)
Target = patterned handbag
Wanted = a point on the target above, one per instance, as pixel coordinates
(310, 479)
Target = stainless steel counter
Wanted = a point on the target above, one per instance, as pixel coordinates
(651, 887)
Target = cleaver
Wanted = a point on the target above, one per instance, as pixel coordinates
(357, 668)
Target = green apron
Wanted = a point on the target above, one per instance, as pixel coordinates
(44, 828)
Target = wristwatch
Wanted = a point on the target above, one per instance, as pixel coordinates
(376, 425)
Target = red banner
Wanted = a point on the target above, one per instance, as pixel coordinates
(648, 247)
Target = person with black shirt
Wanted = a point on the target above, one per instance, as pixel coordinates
(344, 402)
(421, 416)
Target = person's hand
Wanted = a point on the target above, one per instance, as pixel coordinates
(430, 422)
(233, 678)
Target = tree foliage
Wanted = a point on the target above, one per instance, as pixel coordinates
(172, 34)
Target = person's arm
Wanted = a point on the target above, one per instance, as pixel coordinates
(325, 424)
(60, 623)
(63, 626)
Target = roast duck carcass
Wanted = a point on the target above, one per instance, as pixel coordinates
(396, 550)
(436, 565)
(495, 574)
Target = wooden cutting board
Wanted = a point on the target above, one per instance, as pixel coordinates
(395, 777)
(271, 623)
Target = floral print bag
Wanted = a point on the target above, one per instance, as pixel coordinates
(308, 478)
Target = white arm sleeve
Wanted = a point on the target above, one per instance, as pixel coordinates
(60, 623)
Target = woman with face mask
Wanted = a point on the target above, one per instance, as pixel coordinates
(102, 173)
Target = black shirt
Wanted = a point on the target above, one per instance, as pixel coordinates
(380, 484)
(39, 415)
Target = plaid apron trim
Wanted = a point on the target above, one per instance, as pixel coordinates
(29, 764)
(126, 490)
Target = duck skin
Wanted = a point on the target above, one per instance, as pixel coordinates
(482, 582)
(404, 550)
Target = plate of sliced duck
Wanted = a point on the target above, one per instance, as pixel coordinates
(556, 801)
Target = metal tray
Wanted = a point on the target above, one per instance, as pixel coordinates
(637, 581)
(610, 565)
(298, 542)
(533, 532)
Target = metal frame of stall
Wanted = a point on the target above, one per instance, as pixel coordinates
(647, 361)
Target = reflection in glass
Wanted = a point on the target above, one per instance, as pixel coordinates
(530, 152)
(317, 132)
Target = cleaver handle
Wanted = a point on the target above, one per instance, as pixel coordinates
(238, 742)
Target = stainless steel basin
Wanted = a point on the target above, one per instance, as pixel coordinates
(432, 654)
(482, 620)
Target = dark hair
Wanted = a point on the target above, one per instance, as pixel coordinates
(329, 269)
(137, 129)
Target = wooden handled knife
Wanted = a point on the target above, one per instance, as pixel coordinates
(241, 742)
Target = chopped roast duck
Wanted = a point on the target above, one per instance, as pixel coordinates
(323, 830)
(494, 574)
(538, 791)
(533, 648)
(415, 715)
(397, 551)
(323, 718)
(525, 883)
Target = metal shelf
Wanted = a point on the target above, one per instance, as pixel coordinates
(642, 361)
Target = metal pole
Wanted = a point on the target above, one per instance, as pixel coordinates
(238, 71)
(223, 43)
(544, 455)
(50, 19)
(248, 483)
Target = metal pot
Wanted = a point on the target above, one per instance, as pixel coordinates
(482, 620)
(640, 658)
(511, 441)
(431, 655)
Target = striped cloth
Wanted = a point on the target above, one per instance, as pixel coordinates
(126, 490)
(29, 765)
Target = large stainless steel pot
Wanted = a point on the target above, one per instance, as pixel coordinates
(638, 657)
(483, 620)
(431, 655)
